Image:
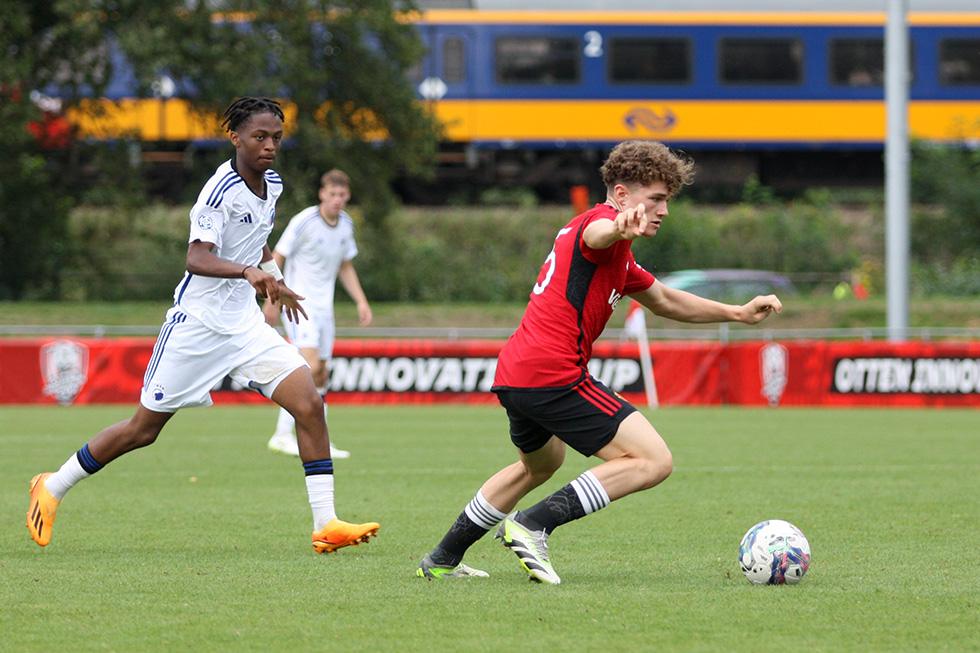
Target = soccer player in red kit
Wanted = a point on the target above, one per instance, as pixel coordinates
(544, 383)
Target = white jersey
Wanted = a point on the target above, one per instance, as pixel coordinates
(229, 215)
(314, 251)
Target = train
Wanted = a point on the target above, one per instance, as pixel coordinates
(535, 92)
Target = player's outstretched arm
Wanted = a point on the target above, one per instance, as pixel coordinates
(687, 307)
(759, 309)
(627, 225)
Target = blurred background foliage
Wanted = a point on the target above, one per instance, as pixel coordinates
(86, 220)
(493, 252)
(341, 64)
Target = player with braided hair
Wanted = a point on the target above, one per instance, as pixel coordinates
(239, 111)
(215, 328)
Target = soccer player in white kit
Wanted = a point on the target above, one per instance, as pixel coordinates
(216, 328)
(316, 248)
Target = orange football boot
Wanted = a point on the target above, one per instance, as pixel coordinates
(40, 514)
(338, 534)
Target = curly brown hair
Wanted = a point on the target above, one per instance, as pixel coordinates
(641, 163)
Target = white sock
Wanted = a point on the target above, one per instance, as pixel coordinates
(482, 513)
(65, 478)
(590, 492)
(320, 489)
(286, 423)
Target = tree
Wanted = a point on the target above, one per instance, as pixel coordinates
(41, 44)
(947, 177)
(341, 64)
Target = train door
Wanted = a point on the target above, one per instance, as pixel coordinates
(448, 79)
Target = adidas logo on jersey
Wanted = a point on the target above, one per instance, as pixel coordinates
(246, 219)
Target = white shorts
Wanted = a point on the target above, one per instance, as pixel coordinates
(189, 359)
(315, 333)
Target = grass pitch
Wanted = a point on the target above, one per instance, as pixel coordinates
(202, 540)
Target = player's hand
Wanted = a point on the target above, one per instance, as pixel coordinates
(271, 313)
(266, 286)
(632, 223)
(364, 314)
(289, 304)
(759, 309)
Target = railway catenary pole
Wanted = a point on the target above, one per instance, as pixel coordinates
(897, 170)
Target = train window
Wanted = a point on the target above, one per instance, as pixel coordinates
(537, 60)
(761, 61)
(959, 62)
(453, 61)
(645, 61)
(857, 62)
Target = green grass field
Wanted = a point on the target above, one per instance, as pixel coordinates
(201, 542)
(799, 312)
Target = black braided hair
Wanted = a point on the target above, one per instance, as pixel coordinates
(239, 111)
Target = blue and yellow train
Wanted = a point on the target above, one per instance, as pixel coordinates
(538, 95)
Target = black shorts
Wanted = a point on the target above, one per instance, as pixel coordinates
(585, 415)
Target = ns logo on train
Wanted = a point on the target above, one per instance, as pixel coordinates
(641, 119)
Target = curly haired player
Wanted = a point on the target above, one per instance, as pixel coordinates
(543, 381)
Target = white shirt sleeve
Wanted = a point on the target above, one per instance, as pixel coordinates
(207, 224)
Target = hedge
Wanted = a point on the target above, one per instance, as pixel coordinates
(489, 254)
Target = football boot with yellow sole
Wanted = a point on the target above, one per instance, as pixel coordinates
(338, 534)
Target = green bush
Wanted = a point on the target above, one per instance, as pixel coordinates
(484, 254)
(805, 236)
(489, 254)
(126, 254)
(948, 179)
(957, 278)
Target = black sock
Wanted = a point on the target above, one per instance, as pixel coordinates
(559, 508)
(461, 536)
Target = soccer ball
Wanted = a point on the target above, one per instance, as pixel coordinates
(774, 552)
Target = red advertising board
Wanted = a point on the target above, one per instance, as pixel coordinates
(801, 373)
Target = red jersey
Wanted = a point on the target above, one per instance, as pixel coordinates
(577, 289)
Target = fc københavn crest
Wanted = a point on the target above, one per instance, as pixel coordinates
(64, 367)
